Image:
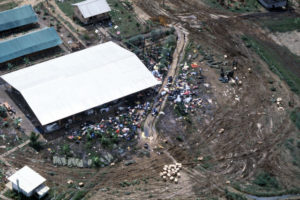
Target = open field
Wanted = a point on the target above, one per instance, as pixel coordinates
(234, 138)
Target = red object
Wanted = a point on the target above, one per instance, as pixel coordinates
(195, 65)
(101, 126)
(187, 93)
(118, 131)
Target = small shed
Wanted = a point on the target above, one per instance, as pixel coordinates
(91, 10)
(29, 182)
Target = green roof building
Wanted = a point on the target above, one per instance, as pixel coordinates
(28, 44)
(17, 17)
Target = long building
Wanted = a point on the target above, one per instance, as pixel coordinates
(71, 84)
(28, 44)
(17, 17)
(271, 4)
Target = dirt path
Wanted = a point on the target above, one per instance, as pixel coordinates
(58, 12)
(62, 14)
(26, 2)
(2, 156)
(149, 126)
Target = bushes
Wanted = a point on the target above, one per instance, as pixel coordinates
(3, 112)
(66, 150)
(295, 117)
(234, 196)
(34, 143)
(96, 161)
(136, 40)
(266, 180)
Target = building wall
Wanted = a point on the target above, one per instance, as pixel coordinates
(15, 187)
(96, 18)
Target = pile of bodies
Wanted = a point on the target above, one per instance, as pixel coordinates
(124, 125)
(182, 92)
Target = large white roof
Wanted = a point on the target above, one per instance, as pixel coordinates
(28, 179)
(77, 82)
(90, 8)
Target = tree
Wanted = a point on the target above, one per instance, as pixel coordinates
(34, 143)
(26, 61)
(3, 112)
(10, 66)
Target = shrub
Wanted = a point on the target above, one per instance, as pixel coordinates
(10, 66)
(234, 196)
(96, 161)
(295, 117)
(265, 179)
(66, 150)
(105, 141)
(34, 143)
(3, 112)
(86, 36)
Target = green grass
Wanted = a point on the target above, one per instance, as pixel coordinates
(234, 196)
(247, 6)
(8, 6)
(125, 19)
(260, 191)
(295, 117)
(275, 65)
(282, 25)
(66, 6)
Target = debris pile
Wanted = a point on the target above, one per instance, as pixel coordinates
(124, 125)
(171, 172)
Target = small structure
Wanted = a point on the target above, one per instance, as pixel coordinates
(272, 4)
(91, 10)
(28, 44)
(17, 17)
(29, 183)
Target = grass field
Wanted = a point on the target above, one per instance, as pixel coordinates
(125, 19)
(121, 15)
(66, 6)
(275, 63)
(8, 6)
(246, 6)
(282, 25)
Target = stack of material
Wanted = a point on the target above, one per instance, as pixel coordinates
(171, 172)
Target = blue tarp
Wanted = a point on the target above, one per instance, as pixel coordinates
(17, 17)
(29, 43)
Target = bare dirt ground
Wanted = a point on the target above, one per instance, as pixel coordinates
(291, 40)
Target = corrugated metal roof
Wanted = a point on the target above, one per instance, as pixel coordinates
(17, 17)
(28, 179)
(77, 82)
(29, 43)
(90, 8)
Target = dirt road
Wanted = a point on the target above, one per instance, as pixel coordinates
(149, 127)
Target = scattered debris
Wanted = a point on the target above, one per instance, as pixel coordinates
(171, 171)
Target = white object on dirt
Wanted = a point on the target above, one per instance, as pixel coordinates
(221, 130)
(80, 184)
(200, 158)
